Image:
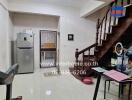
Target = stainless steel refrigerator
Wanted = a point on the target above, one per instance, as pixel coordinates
(25, 52)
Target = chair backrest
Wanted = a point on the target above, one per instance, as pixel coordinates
(12, 70)
(9, 75)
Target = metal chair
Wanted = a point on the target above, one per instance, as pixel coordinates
(7, 79)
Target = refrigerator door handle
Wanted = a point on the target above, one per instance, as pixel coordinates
(25, 47)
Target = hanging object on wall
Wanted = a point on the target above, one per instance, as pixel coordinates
(70, 37)
(117, 11)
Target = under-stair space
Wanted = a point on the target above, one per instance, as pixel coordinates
(126, 40)
(110, 30)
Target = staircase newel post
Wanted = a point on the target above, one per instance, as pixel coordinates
(97, 33)
(76, 56)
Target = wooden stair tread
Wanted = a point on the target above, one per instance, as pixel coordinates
(89, 55)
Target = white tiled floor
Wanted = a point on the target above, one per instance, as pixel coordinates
(36, 86)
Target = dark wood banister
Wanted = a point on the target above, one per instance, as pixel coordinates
(82, 51)
(99, 30)
(77, 53)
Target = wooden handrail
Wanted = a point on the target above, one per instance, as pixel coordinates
(82, 51)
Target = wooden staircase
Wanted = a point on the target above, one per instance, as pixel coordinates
(109, 31)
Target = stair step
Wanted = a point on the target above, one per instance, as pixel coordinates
(99, 47)
(88, 55)
(128, 10)
(103, 41)
(96, 53)
(115, 28)
(121, 20)
(109, 36)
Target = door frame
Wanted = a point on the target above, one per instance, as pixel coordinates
(57, 49)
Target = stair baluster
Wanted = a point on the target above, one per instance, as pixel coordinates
(105, 27)
(109, 27)
(89, 52)
(110, 18)
(83, 61)
(100, 33)
(97, 33)
(76, 56)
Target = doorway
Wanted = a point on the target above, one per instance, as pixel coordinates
(48, 49)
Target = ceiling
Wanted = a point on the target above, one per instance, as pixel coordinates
(72, 3)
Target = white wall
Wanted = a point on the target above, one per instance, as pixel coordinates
(70, 23)
(4, 3)
(36, 23)
(5, 38)
(91, 7)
